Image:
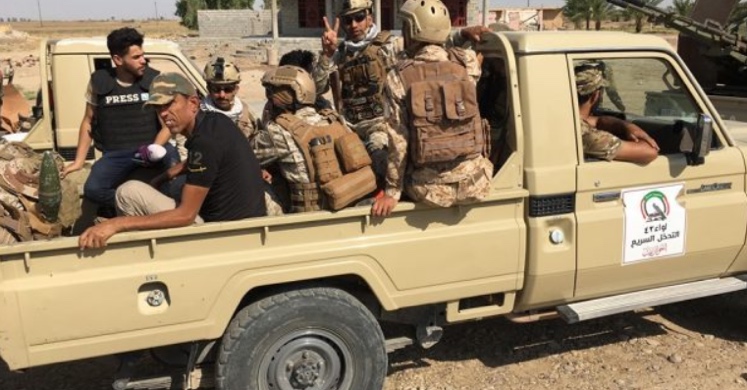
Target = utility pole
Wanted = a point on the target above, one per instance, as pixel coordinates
(38, 6)
(155, 4)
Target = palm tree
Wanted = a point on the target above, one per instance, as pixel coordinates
(682, 7)
(580, 11)
(638, 17)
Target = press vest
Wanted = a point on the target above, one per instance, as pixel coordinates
(363, 77)
(121, 121)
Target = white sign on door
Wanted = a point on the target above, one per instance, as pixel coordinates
(655, 223)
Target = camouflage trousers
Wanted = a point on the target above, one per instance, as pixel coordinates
(448, 184)
(374, 135)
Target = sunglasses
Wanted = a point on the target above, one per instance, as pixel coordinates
(214, 88)
(358, 17)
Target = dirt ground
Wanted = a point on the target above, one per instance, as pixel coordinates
(696, 345)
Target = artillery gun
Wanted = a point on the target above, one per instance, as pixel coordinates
(703, 35)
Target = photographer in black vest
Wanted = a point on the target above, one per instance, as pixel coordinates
(128, 134)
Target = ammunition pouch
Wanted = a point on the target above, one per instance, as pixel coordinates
(336, 160)
(363, 78)
(444, 114)
(305, 197)
(345, 190)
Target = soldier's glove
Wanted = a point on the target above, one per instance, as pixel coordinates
(148, 155)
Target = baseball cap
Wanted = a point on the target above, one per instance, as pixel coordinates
(165, 86)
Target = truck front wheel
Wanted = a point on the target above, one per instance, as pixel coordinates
(312, 338)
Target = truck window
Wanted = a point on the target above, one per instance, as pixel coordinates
(649, 93)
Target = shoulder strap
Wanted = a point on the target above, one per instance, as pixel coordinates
(300, 131)
(102, 81)
(381, 38)
(147, 78)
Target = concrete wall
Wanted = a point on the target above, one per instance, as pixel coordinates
(233, 23)
(250, 49)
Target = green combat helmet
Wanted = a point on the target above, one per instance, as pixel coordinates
(50, 189)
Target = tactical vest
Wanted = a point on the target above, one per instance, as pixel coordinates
(362, 78)
(445, 123)
(121, 121)
(23, 192)
(336, 160)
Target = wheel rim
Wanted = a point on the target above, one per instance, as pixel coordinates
(312, 359)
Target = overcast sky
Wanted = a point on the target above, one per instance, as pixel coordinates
(142, 9)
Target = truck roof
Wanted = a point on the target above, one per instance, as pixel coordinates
(579, 41)
(98, 45)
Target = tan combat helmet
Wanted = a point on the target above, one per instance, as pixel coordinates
(294, 77)
(221, 72)
(426, 20)
(353, 6)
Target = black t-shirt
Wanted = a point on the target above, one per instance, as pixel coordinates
(220, 159)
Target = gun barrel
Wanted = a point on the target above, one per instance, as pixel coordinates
(706, 33)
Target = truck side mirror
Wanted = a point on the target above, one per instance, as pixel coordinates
(696, 139)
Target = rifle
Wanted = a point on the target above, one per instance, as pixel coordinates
(710, 33)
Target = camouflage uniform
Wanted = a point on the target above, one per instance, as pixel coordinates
(277, 144)
(244, 119)
(598, 143)
(590, 77)
(373, 131)
(441, 184)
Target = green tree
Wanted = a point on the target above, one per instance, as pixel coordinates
(681, 7)
(187, 9)
(637, 16)
(586, 11)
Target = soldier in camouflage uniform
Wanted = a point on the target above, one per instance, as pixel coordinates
(606, 137)
(440, 184)
(223, 80)
(291, 90)
(362, 60)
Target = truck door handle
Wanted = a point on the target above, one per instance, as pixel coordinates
(606, 196)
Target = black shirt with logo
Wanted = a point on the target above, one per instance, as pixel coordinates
(220, 159)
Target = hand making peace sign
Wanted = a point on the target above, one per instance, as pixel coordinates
(329, 37)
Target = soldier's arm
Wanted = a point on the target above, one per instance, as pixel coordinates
(398, 137)
(625, 130)
(265, 147)
(323, 66)
(636, 152)
(460, 37)
(84, 141)
(183, 215)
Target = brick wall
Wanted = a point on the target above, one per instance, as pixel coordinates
(233, 23)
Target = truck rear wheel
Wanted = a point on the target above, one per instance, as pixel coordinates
(312, 338)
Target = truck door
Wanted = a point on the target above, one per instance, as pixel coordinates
(665, 222)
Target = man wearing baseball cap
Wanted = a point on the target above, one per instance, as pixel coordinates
(607, 137)
(223, 179)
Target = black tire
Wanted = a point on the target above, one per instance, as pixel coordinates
(311, 338)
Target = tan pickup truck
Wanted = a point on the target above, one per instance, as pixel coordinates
(298, 301)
